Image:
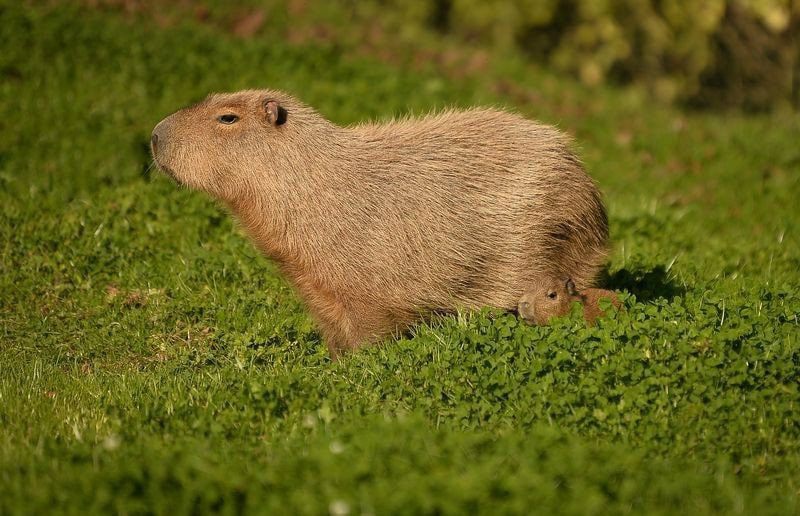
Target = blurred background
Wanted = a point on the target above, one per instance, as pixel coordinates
(707, 54)
(84, 81)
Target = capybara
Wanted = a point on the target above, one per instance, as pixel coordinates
(547, 299)
(381, 224)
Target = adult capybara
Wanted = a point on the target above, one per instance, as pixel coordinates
(547, 299)
(378, 225)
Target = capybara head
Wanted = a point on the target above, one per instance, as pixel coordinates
(216, 144)
(548, 299)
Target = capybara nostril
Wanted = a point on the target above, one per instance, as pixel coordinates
(154, 142)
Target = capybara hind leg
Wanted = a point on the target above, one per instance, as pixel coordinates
(336, 335)
(345, 333)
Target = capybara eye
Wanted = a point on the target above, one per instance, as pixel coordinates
(552, 295)
(228, 119)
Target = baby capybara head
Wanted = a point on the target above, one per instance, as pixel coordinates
(548, 299)
(216, 144)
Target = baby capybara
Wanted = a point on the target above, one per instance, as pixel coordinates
(547, 299)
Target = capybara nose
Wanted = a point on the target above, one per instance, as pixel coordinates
(525, 305)
(154, 142)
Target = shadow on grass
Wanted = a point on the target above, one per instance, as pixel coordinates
(645, 284)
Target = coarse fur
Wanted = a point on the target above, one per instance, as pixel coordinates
(547, 299)
(378, 225)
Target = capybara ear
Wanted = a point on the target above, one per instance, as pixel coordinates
(571, 290)
(276, 114)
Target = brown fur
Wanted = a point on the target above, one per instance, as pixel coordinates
(377, 225)
(548, 299)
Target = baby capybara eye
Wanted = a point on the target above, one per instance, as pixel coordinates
(552, 295)
(228, 119)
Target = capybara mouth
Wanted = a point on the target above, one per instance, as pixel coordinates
(172, 176)
(168, 172)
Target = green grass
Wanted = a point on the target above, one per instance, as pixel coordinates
(152, 361)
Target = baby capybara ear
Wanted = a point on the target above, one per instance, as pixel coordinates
(571, 290)
(276, 114)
